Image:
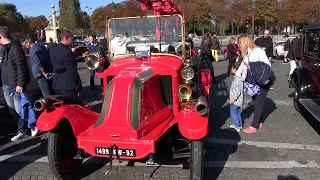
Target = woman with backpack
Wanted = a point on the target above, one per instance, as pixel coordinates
(254, 59)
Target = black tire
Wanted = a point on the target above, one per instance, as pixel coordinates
(277, 56)
(196, 160)
(62, 147)
(296, 96)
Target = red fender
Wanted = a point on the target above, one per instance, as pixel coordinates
(192, 125)
(79, 117)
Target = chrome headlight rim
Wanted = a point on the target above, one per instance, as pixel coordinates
(187, 76)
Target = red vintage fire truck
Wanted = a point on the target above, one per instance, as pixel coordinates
(155, 97)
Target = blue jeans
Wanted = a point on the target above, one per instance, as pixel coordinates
(235, 114)
(14, 108)
(45, 86)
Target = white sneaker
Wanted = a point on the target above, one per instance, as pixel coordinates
(238, 129)
(18, 136)
(34, 131)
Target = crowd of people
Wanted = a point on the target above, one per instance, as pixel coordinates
(250, 64)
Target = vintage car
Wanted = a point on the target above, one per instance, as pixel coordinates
(278, 49)
(306, 78)
(154, 103)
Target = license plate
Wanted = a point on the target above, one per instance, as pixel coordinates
(116, 152)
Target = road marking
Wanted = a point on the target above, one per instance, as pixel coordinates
(208, 164)
(262, 164)
(264, 144)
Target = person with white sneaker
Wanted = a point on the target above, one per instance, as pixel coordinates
(14, 76)
(236, 98)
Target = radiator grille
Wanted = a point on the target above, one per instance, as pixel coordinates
(166, 89)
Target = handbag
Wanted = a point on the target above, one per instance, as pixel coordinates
(251, 89)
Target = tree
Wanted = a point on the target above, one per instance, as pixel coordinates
(70, 14)
(10, 17)
(85, 20)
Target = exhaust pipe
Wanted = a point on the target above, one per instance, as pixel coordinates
(201, 105)
(40, 104)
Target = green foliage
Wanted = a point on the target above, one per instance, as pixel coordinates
(70, 14)
(10, 17)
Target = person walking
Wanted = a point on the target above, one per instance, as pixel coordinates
(14, 78)
(207, 54)
(232, 55)
(250, 52)
(41, 66)
(236, 98)
(66, 80)
(92, 47)
(295, 54)
(51, 44)
(215, 47)
(265, 42)
(287, 47)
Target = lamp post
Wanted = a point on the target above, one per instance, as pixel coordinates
(89, 8)
(253, 3)
(54, 23)
(113, 6)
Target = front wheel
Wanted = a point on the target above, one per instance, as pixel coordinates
(197, 160)
(62, 147)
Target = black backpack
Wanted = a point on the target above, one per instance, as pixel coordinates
(262, 73)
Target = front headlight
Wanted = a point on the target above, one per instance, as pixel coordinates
(187, 73)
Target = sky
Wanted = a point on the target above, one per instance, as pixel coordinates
(43, 7)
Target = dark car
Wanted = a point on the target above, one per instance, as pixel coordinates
(306, 78)
(82, 48)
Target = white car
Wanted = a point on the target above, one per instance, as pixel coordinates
(278, 49)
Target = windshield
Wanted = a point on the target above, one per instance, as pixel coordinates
(159, 34)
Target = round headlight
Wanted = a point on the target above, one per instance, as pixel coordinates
(187, 73)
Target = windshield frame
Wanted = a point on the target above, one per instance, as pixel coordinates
(183, 34)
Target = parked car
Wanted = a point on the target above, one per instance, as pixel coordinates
(306, 79)
(82, 48)
(278, 49)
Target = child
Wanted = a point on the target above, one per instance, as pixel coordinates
(236, 98)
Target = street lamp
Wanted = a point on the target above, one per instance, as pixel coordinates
(113, 6)
(54, 23)
(254, 3)
(89, 8)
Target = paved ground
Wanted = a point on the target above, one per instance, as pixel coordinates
(287, 147)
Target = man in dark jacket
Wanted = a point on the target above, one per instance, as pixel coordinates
(40, 65)
(287, 47)
(14, 77)
(103, 49)
(66, 80)
(265, 42)
(215, 46)
(295, 53)
(51, 44)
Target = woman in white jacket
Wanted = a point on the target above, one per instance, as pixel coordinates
(252, 53)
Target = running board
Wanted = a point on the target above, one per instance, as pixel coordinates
(312, 106)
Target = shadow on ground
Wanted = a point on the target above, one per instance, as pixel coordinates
(217, 155)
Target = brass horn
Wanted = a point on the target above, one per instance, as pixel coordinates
(201, 105)
(184, 91)
(94, 60)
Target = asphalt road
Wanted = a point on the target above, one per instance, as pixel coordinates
(286, 147)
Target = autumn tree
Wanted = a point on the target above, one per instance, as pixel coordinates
(70, 14)
(128, 8)
(34, 23)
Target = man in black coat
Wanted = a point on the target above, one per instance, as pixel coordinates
(265, 42)
(295, 53)
(14, 78)
(287, 47)
(66, 80)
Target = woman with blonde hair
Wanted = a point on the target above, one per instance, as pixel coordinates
(251, 53)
